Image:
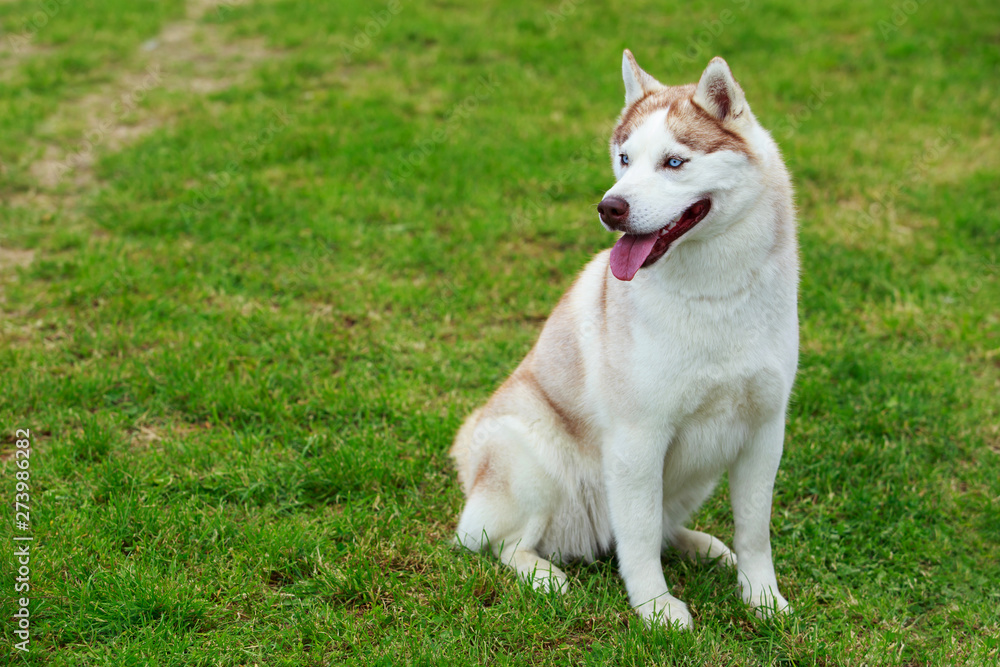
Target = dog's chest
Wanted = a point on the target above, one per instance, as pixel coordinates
(713, 377)
(717, 414)
(702, 361)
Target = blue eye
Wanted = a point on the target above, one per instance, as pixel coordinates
(623, 158)
(674, 162)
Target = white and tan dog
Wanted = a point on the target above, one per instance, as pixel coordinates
(668, 362)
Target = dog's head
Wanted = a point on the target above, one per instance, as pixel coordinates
(686, 162)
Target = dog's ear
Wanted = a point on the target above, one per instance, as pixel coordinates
(718, 93)
(637, 82)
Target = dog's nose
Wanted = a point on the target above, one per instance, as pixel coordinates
(613, 212)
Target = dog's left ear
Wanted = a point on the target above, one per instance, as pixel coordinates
(718, 93)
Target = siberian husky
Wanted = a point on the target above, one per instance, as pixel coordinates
(668, 362)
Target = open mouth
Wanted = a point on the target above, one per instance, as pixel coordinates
(634, 251)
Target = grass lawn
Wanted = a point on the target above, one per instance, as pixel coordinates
(258, 259)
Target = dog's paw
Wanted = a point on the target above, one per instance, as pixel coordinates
(666, 611)
(768, 604)
(700, 546)
(724, 557)
(552, 580)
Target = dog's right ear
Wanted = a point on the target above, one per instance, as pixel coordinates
(637, 82)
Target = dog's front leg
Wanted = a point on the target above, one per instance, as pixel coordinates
(634, 478)
(751, 483)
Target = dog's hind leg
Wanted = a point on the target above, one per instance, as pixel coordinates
(494, 521)
(532, 568)
(694, 544)
(697, 545)
(515, 548)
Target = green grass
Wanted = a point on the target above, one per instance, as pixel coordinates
(245, 333)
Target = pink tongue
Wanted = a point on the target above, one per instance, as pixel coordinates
(629, 253)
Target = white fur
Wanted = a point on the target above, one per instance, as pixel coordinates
(671, 379)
